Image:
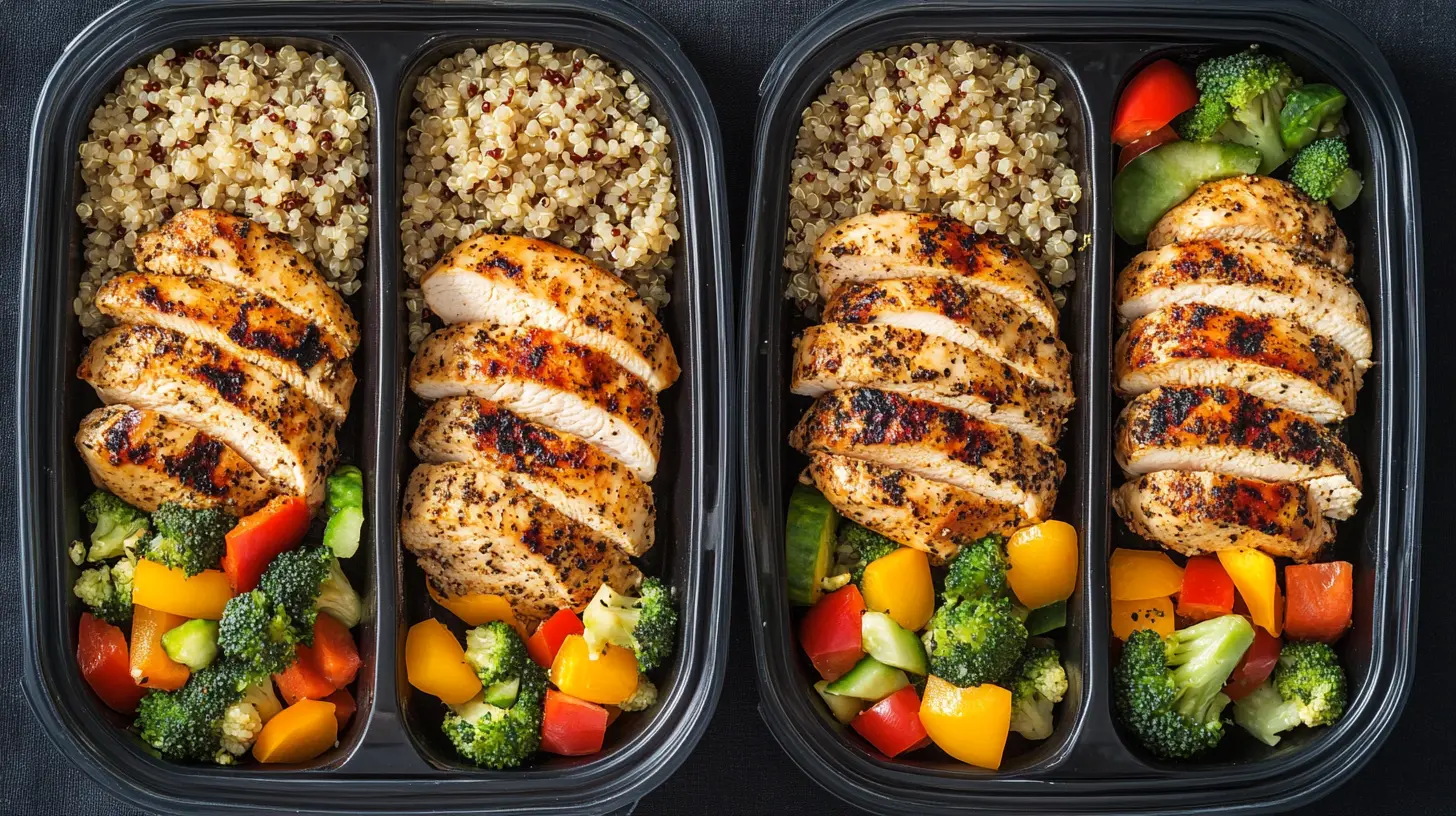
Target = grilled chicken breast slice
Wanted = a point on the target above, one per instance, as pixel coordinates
(1255, 277)
(476, 532)
(930, 516)
(844, 355)
(938, 443)
(267, 422)
(1194, 512)
(951, 309)
(147, 459)
(561, 469)
(895, 244)
(517, 281)
(1197, 344)
(238, 252)
(1256, 208)
(252, 326)
(1223, 430)
(546, 378)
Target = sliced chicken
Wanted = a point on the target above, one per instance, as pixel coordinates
(1255, 277)
(546, 378)
(476, 532)
(238, 252)
(954, 310)
(1197, 344)
(1256, 208)
(278, 430)
(517, 281)
(1223, 430)
(938, 443)
(893, 244)
(563, 470)
(933, 517)
(252, 326)
(1193, 512)
(909, 362)
(147, 460)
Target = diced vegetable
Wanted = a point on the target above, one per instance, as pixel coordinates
(1136, 575)
(1151, 100)
(303, 679)
(971, 724)
(1258, 662)
(830, 632)
(899, 584)
(606, 679)
(1310, 112)
(479, 609)
(435, 663)
(298, 733)
(1208, 591)
(1047, 618)
(170, 590)
(1150, 613)
(150, 665)
(193, 644)
(869, 680)
(344, 706)
(1143, 145)
(808, 544)
(1042, 563)
(260, 537)
(572, 727)
(334, 652)
(892, 644)
(893, 724)
(102, 654)
(1157, 180)
(346, 511)
(1254, 575)
(843, 708)
(1321, 599)
(548, 637)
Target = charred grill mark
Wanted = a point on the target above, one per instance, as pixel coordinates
(1224, 416)
(227, 380)
(118, 442)
(197, 466)
(951, 298)
(284, 343)
(855, 304)
(505, 265)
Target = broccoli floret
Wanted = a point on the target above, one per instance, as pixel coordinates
(77, 552)
(307, 579)
(1239, 100)
(119, 526)
(188, 723)
(974, 642)
(345, 489)
(1038, 683)
(498, 656)
(1169, 690)
(500, 736)
(1308, 688)
(244, 720)
(1202, 122)
(978, 571)
(1323, 171)
(863, 546)
(106, 589)
(258, 632)
(188, 539)
(645, 623)
(643, 698)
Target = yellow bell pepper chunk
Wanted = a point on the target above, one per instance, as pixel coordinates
(435, 663)
(1257, 581)
(478, 610)
(606, 679)
(1149, 613)
(298, 733)
(900, 586)
(1043, 563)
(1140, 574)
(970, 724)
(157, 586)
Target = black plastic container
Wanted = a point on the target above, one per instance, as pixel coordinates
(1091, 49)
(384, 762)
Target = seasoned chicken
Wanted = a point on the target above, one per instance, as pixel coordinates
(251, 326)
(147, 459)
(546, 378)
(1256, 208)
(930, 516)
(1271, 358)
(892, 244)
(1223, 430)
(517, 281)
(952, 309)
(585, 484)
(938, 443)
(238, 252)
(1193, 512)
(476, 532)
(267, 422)
(845, 355)
(1254, 277)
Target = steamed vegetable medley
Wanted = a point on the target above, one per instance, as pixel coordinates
(239, 629)
(912, 655)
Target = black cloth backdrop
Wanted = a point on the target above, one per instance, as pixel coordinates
(738, 768)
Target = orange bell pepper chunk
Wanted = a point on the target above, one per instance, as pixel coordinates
(165, 589)
(1042, 561)
(344, 706)
(150, 666)
(900, 585)
(1149, 613)
(479, 609)
(970, 724)
(605, 679)
(1255, 576)
(1136, 575)
(435, 663)
(298, 733)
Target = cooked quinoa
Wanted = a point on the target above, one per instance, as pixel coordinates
(531, 140)
(971, 132)
(278, 136)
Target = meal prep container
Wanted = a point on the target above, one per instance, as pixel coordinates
(391, 757)
(1089, 765)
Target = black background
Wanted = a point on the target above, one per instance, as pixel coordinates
(737, 768)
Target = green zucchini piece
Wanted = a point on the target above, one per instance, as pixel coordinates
(808, 544)
(1159, 179)
(892, 644)
(1309, 113)
(843, 708)
(869, 680)
(1047, 618)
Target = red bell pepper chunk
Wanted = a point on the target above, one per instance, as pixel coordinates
(572, 727)
(1208, 591)
(1256, 665)
(106, 665)
(303, 680)
(1155, 95)
(344, 707)
(546, 641)
(830, 633)
(893, 724)
(1321, 599)
(259, 538)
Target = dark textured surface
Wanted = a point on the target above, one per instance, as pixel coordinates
(737, 768)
